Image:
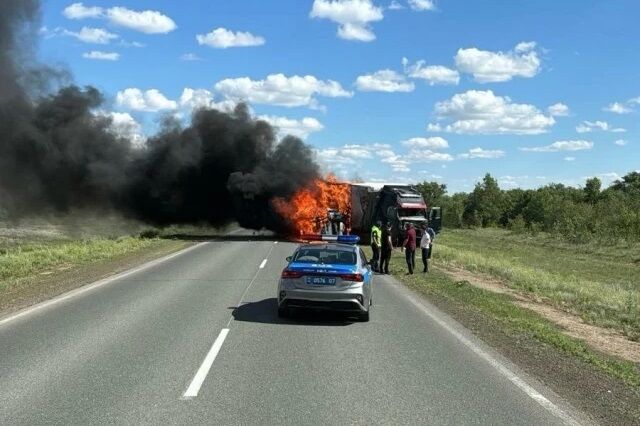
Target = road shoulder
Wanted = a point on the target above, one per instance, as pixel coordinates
(495, 320)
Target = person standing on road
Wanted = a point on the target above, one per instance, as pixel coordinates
(409, 247)
(425, 248)
(387, 247)
(375, 244)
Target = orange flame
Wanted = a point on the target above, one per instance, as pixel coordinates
(306, 211)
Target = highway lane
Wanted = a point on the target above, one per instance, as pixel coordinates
(126, 353)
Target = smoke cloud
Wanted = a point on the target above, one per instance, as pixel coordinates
(57, 155)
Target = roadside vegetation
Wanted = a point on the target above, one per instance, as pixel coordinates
(511, 318)
(577, 248)
(578, 215)
(600, 284)
(39, 259)
(21, 262)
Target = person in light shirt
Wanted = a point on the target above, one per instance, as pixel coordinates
(425, 247)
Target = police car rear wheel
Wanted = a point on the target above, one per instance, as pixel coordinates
(284, 313)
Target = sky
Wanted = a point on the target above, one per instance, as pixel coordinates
(532, 92)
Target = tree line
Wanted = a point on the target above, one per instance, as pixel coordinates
(576, 214)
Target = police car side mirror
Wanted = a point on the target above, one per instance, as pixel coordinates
(288, 259)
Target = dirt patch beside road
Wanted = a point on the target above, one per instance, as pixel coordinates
(604, 340)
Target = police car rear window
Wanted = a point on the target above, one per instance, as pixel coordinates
(333, 257)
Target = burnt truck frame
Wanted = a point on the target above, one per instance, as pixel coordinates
(395, 204)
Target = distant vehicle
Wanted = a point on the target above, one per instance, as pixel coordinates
(395, 204)
(332, 274)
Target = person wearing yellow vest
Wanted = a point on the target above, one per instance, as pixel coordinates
(376, 234)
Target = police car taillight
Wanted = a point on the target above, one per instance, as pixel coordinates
(352, 277)
(290, 274)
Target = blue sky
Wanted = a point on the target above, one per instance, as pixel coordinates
(404, 90)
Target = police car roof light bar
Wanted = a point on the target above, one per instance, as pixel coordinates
(345, 239)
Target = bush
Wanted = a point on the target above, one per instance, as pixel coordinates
(149, 233)
(517, 225)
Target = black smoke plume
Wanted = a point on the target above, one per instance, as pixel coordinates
(57, 155)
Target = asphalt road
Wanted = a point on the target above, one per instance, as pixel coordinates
(128, 351)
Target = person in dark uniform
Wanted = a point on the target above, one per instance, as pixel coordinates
(387, 246)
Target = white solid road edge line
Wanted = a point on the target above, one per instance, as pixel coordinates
(201, 374)
(502, 369)
(89, 287)
(264, 262)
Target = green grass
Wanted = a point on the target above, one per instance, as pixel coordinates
(19, 263)
(512, 318)
(601, 284)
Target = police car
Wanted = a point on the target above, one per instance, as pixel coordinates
(331, 273)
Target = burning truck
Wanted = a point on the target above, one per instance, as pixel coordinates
(335, 208)
(389, 203)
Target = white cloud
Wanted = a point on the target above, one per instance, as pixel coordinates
(151, 100)
(512, 181)
(132, 44)
(395, 5)
(92, 35)
(357, 151)
(491, 67)
(611, 176)
(422, 155)
(558, 110)
(278, 89)
(569, 159)
(125, 126)
(222, 38)
(350, 154)
(590, 126)
(617, 108)
(80, 11)
(634, 101)
(85, 35)
(190, 57)
(332, 157)
(384, 81)
(356, 154)
(352, 16)
(433, 74)
(483, 153)
(574, 145)
(482, 112)
(435, 142)
(101, 56)
(196, 98)
(422, 5)
(201, 98)
(621, 142)
(397, 163)
(147, 21)
(287, 126)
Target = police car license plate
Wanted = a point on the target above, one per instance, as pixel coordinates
(321, 281)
